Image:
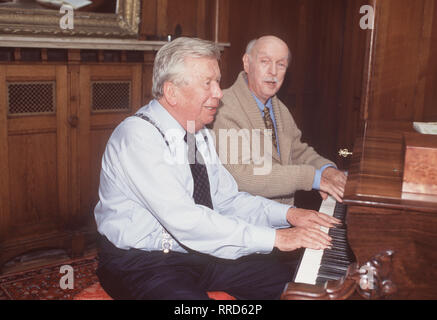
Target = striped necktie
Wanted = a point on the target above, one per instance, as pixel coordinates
(269, 125)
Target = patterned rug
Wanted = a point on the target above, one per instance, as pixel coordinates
(50, 282)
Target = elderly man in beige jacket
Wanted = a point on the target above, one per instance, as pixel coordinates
(249, 107)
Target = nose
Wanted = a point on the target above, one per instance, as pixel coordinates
(272, 69)
(217, 92)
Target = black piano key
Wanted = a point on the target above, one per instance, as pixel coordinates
(334, 267)
(341, 233)
(337, 252)
(339, 244)
(328, 275)
(320, 281)
(326, 260)
(339, 240)
(335, 261)
(332, 272)
(334, 255)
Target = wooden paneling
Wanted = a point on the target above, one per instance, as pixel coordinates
(4, 159)
(161, 18)
(34, 163)
(50, 160)
(148, 18)
(350, 89)
(404, 68)
(95, 128)
(323, 84)
(33, 179)
(430, 94)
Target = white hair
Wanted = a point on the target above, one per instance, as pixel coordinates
(169, 61)
(252, 43)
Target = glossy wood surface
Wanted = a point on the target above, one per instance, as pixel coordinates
(380, 219)
(375, 175)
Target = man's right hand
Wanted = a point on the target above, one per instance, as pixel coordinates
(300, 237)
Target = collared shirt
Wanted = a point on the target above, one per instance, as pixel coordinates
(272, 115)
(319, 172)
(146, 191)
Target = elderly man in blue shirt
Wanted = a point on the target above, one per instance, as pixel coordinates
(174, 226)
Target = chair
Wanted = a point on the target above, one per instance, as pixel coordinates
(96, 292)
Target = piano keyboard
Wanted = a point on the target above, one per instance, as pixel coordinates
(318, 266)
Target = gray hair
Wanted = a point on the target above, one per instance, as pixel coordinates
(252, 43)
(250, 46)
(169, 61)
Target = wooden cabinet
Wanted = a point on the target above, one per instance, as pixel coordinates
(108, 94)
(59, 103)
(55, 120)
(33, 157)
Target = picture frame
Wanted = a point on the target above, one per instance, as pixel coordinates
(124, 23)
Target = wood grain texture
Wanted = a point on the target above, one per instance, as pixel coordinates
(380, 219)
(403, 71)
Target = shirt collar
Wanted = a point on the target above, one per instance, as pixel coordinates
(260, 104)
(258, 101)
(166, 122)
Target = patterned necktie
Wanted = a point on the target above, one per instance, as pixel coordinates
(269, 125)
(201, 193)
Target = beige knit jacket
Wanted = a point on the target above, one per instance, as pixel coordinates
(294, 170)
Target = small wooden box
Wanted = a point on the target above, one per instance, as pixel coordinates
(420, 164)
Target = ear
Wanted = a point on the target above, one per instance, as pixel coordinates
(246, 61)
(170, 93)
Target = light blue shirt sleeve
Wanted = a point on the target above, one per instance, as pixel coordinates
(318, 176)
(143, 195)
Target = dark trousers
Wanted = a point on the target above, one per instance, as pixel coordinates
(136, 274)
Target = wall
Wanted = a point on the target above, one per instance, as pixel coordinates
(403, 73)
(328, 51)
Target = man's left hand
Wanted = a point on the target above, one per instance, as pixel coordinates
(332, 182)
(310, 219)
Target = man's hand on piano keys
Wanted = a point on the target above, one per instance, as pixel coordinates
(294, 238)
(310, 219)
(333, 182)
(307, 232)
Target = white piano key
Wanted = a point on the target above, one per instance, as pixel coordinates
(310, 263)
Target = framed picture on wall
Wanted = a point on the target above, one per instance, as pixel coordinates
(87, 18)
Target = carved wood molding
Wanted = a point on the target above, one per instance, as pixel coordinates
(84, 43)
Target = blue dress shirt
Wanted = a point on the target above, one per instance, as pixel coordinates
(146, 191)
(272, 115)
(319, 172)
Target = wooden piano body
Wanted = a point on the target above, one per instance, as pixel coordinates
(400, 231)
(380, 217)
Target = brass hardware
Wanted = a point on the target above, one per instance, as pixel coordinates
(344, 153)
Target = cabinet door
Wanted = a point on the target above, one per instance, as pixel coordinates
(108, 94)
(33, 157)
